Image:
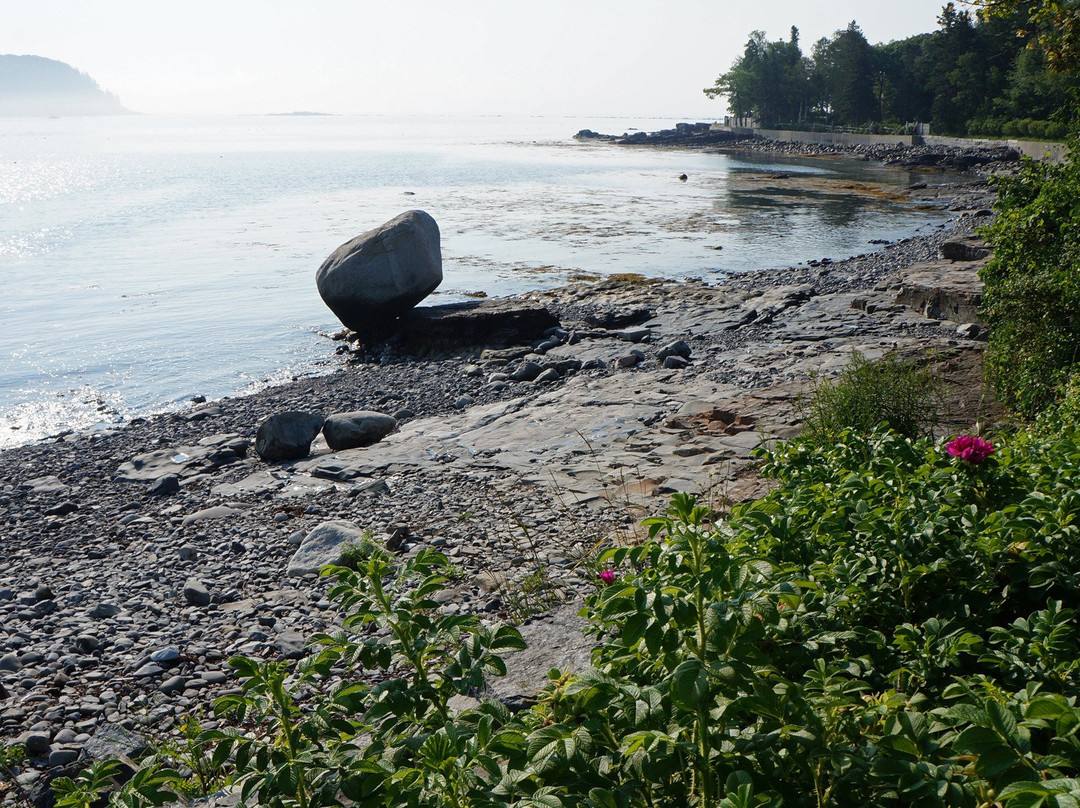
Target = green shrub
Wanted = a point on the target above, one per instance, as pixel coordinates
(1056, 130)
(891, 390)
(1031, 299)
(1011, 128)
(891, 626)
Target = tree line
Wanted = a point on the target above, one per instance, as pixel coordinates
(987, 73)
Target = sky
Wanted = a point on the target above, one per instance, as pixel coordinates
(442, 57)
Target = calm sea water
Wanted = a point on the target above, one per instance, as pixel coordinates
(146, 260)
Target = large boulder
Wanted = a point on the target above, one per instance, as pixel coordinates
(351, 430)
(287, 436)
(381, 274)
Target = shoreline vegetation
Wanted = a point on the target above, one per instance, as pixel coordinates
(122, 600)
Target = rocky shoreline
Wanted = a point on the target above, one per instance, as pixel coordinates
(120, 602)
(993, 159)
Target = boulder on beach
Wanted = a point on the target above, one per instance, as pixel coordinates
(351, 430)
(381, 274)
(287, 436)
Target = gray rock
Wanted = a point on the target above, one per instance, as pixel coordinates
(174, 684)
(62, 757)
(103, 610)
(476, 322)
(37, 743)
(381, 274)
(287, 436)
(289, 645)
(206, 514)
(676, 348)
(554, 641)
(63, 509)
(163, 486)
(188, 553)
(634, 335)
(323, 546)
(168, 654)
(352, 430)
(196, 593)
(971, 331)
(675, 362)
(50, 484)
(111, 741)
(967, 249)
(527, 372)
(549, 375)
(10, 662)
(462, 402)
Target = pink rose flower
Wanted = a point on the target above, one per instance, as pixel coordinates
(970, 448)
(607, 576)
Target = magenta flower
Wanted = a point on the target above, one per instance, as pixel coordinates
(607, 576)
(970, 448)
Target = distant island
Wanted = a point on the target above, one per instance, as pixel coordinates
(300, 113)
(32, 86)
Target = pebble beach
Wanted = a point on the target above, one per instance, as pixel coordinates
(121, 599)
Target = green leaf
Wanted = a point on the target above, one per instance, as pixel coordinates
(994, 761)
(690, 685)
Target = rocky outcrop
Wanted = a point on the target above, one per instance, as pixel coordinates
(375, 278)
(684, 134)
(476, 322)
(964, 249)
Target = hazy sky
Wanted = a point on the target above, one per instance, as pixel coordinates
(544, 57)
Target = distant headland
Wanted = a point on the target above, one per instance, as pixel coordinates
(33, 86)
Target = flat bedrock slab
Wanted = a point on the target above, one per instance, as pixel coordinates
(208, 454)
(938, 291)
(381, 274)
(494, 322)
